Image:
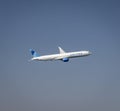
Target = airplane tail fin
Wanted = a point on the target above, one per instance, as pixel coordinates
(34, 53)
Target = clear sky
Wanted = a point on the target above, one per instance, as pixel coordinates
(83, 84)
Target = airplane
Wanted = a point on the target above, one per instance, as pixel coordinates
(64, 56)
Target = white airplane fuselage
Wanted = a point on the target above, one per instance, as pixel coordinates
(62, 56)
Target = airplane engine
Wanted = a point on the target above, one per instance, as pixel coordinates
(65, 59)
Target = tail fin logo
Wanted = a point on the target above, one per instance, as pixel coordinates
(34, 54)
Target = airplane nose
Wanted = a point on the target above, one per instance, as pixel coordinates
(90, 52)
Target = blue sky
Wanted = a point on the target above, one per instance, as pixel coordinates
(90, 83)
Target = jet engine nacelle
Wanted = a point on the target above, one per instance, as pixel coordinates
(65, 59)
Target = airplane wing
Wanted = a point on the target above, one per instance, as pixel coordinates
(65, 58)
(60, 58)
(61, 51)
